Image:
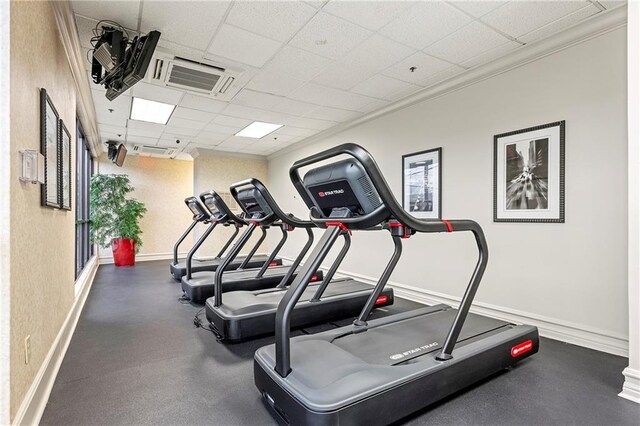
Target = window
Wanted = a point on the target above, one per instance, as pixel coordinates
(84, 170)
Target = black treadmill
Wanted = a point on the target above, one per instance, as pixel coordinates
(199, 286)
(203, 214)
(241, 315)
(378, 371)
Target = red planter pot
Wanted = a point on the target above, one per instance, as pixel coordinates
(124, 251)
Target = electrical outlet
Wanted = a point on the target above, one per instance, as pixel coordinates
(27, 349)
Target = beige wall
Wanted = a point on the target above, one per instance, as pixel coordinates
(42, 239)
(218, 172)
(162, 185)
(572, 273)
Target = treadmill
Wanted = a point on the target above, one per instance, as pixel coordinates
(199, 286)
(202, 214)
(378, 371)
(240, 315)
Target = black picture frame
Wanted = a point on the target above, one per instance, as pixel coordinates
(65, 180)
(542, 192)
(433, 207)
(50, 148)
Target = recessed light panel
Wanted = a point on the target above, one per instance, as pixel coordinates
(151, 111)
(258, 129)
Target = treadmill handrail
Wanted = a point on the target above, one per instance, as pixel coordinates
(197, 245)
(389, 210)
(254, 249)
(296, 262)
(287, 218)
(181, 239)
(273, 254)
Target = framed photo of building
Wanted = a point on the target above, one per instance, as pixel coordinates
(49, 147)
(528, 174)
(422, 184)
(65, 178)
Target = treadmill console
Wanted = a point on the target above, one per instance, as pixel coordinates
(252, 202)
(211, 204)
(196, 208)
(339, 185)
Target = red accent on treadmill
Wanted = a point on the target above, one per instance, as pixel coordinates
(521, 348)
(381, 300)
(449, 226)
(340, 225)
(272, 264)
(314, 278)
(406, 234)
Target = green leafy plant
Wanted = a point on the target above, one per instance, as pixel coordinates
(112, 215)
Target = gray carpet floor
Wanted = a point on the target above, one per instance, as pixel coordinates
(136, 358)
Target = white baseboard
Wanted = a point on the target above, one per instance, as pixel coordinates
(631, 387)
(33, 405)
(146, 257)
(553, 328)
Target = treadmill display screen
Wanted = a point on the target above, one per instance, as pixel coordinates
(334, 195)
(211, 205)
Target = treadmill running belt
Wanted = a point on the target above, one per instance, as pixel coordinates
(411, 338)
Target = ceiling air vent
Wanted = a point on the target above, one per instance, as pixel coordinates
(156, 151)
(196, 77)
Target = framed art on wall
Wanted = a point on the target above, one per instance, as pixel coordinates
(65, 178)
(422, 184)
(528, 174)
(49, 147)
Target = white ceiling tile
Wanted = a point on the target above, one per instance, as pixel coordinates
(218, 128)
(190, 23)
(316, 3)
(378, 53)
(425, 23)
(236, 123)
(171, 143)
(243, 46)
(180, 50)
(210, 138)
(369, 14)
(237, 142)
(441, 75)
(295, 131)
(144, 132)
(612, 4)
(202, 103)
(326, 96)
(192, 114)
(278, 20)
(180, 131)
(374, 105)
(329, 36)
(341, 75)
(241, 111)
(425, 66)
(105, 136)
(256, 99)
(382, 87)
(85, 31)
(520, 17)
(293, 107)
(182, 123)
(112, 120)
(124, 13)
(477, 8)
(560, 24)
(112, 129)
(332, 114)
(469, 41)
(312, 123)
(119, 107)
(143, 125)
(297, 63)
(277, 84)
(405, 92)
(492, 54)
(156, 93)
(141, 140)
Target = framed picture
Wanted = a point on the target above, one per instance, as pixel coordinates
(528, 175)
(65, 156)
(422, 184)
(49, 147)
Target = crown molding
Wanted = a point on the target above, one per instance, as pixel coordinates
(599, 24)
(70, 40)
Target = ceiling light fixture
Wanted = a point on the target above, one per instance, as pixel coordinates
(258, 129)
(151, 111)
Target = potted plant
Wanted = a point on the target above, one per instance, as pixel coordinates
(114, 218)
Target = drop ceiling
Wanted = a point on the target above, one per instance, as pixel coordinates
(311, 65)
